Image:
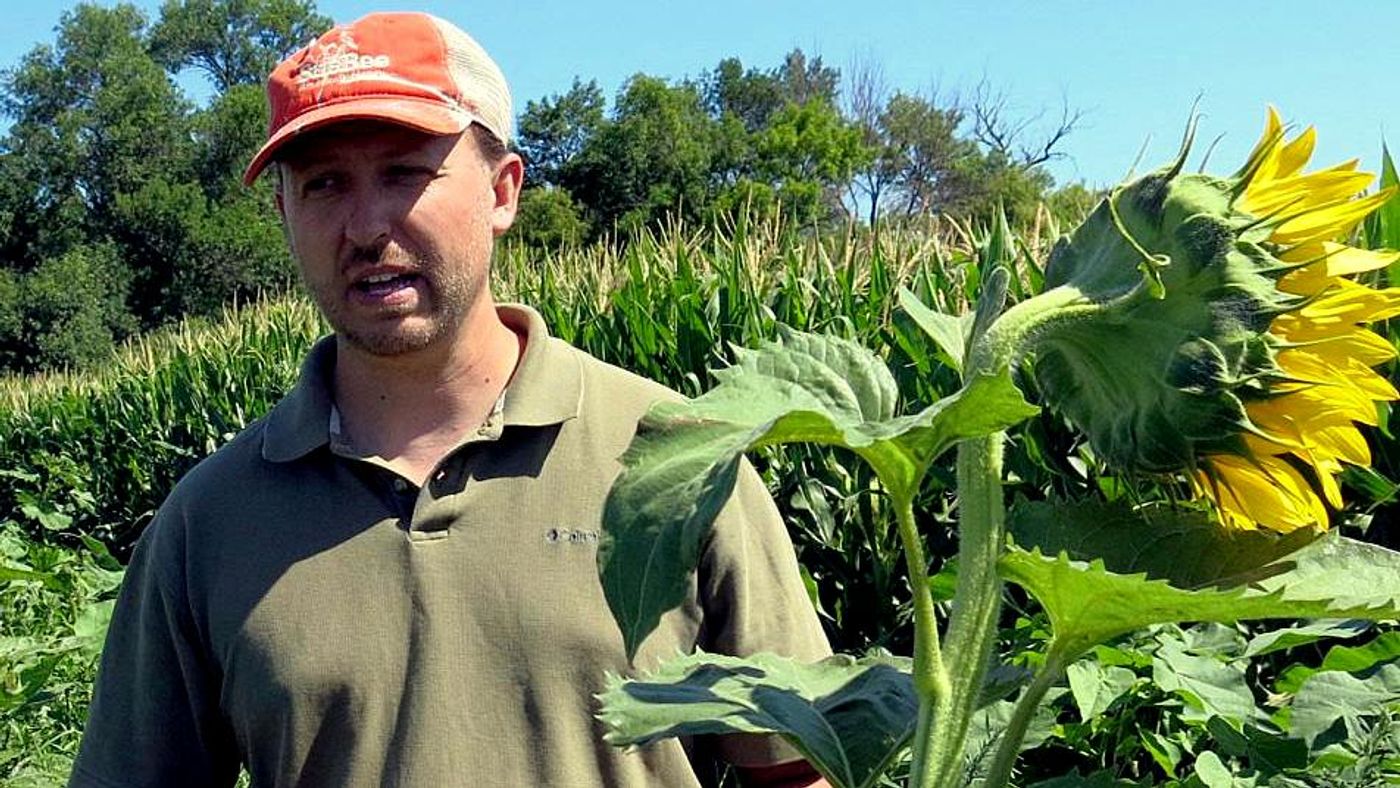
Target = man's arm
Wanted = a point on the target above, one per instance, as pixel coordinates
(755, 602)
(154, 719)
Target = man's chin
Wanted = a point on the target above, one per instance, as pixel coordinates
(391, 344)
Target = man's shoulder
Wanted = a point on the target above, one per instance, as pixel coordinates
(616, 390)
(236, 465)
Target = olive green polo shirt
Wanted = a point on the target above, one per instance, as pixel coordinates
(308, 612)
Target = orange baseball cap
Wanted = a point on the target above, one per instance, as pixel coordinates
(408, 68)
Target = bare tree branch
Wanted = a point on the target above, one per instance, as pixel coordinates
(995, 127)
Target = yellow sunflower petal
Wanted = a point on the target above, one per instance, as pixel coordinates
(1306, 192)
(1343, 443)
(1321, 402)
(1268, 147)
(1281, 160)
(1264, 491)
(1309, 366)
(1294, 155)
(1328, 221)
(1336, 311)
(1332, 260)
(1312, 435)
(1359, 343)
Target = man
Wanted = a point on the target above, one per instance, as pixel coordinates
(391, 579)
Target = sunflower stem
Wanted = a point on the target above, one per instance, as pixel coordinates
(972, 630)
(931, 681)
(999, 773)
(976, 606)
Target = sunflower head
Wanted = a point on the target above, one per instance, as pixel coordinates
(1222, 321)
(1161, 373)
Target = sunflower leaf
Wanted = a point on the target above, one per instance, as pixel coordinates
(849, 718)
(683, 464)
(1104, 570)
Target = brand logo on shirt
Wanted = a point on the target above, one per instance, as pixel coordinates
(571, 536)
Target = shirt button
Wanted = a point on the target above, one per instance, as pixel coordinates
(400, 485)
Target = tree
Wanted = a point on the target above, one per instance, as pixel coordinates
(994, 127)
(652, 159)
(929, 166)
(548, 219)
(555, 130)
(226, 135)
(234, 42)
(750, 96)
(73, 310)
(94, 117)
(805, 79)
(113, 185)
(809, 153)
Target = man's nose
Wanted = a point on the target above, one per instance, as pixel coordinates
(369, 220)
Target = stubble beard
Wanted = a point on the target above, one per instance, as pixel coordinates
(449, 291)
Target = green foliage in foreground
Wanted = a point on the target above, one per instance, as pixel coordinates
(94, 453)
(1100, 571)
(56, 605)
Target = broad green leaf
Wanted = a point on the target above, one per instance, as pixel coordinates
(1100, 779)
(1270, 753)
(1095, 687)
(1333, 696)
(90, 628)
(1165, 752)
(1184, 546)
(9, 573)
(948, 332)
(1212, 772)
(1209, 686)
(1352, 659)
(45, 515)
(989, 723)
(1115, 570)
(1292, 637)
(681, 467)
(849, 718)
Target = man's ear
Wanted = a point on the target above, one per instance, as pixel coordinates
(509, 178)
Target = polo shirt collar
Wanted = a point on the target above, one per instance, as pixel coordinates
(546, 389)
(547, 386)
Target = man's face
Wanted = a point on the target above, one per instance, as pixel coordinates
(392, 229)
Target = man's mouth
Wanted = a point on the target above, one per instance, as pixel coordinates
(380, 285)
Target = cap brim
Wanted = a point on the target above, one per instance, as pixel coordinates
(426, 116)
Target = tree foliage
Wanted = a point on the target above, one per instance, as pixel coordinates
(112, 176)
(121, 207)
(233, 42)
(762, 141)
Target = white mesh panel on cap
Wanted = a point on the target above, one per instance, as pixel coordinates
(479, 80)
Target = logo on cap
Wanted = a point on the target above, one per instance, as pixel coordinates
(337, 57)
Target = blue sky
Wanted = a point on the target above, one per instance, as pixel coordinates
(1133, 68)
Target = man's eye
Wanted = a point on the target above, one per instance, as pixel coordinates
(318, 184)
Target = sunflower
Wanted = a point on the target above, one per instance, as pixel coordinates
(1303, 430)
